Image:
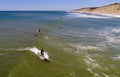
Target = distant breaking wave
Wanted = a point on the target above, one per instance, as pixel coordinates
(90, 15)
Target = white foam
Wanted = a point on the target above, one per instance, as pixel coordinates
(93, 15)
(111, 15)
(105, 75)
(80, 47)
(90, 59)
(111, 35)
(90, 15)
(117, 57)
(46, 37)
(91, 71)
(110, 38)
(15, 49)
(91, 63)
(116, 30)
(72, 73)
(34, 50)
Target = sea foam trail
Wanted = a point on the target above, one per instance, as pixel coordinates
(35, 50)
(32, 49)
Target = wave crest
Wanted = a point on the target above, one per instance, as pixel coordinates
(90, 15)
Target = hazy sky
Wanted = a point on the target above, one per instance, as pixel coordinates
(51, 4)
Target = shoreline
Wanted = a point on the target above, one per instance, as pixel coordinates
(104, 14)
(107, 10)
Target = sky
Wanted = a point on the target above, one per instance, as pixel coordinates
(52, 4)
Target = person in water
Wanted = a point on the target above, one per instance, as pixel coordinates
(35, 35)
(38, 30)
(42, 52)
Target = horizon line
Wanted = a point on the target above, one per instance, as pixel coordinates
(34, 10)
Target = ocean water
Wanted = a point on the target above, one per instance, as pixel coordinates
(78, 44)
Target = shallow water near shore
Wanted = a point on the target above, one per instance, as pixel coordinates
(78, 45)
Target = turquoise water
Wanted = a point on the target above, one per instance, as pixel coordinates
(79, 45)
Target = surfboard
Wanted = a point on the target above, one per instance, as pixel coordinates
(44, 57)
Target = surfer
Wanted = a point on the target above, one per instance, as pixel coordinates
(44, 55)
(42, 52)
(38, 30)
(35, 35)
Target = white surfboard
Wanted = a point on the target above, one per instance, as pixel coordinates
(44, 57)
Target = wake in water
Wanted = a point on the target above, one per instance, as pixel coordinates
(35, 50)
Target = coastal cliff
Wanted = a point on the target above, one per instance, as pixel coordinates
(113, 9)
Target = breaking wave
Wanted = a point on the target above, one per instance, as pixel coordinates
(90, 15)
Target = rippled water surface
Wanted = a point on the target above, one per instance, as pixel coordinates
(78, 44)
